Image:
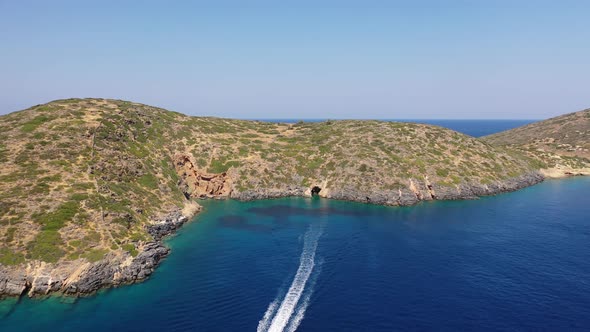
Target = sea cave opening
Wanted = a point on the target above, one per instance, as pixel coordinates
(315, 191)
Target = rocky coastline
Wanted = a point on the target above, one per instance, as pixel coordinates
(81, 278)
(416, 192)
(89, 208)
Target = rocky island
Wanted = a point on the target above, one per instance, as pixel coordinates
(89, 187)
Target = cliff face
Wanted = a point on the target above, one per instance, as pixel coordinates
(89, 187)
(560, 146)
(196, 183)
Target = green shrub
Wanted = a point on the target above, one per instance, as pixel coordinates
(46, 246)
(220, 165)
(58, 218)
(40, 188)
(36, 122)
(3, 153)
(95, 255)
(130, 248)
(442, 172)
(9, 257)
(148, 181)
(10, 234)
(78, 197)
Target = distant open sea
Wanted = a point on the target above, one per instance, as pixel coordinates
(475, 128)
(513, 262)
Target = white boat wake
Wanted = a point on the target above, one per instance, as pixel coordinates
(264, 323)
(278, 318)
(296, 320)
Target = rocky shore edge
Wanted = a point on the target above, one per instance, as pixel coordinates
(416, 192)
(81, 278)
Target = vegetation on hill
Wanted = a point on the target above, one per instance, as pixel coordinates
(82, 178)
(560, 142)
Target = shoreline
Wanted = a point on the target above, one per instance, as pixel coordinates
(416, 192)
(80, 278)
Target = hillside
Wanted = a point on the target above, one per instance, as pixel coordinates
(88, 187)
(561, 144)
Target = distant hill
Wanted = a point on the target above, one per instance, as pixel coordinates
(561, 144)
(88, 187)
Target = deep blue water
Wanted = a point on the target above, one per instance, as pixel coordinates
(475, 128)
(517, 261)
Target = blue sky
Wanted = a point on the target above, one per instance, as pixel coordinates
(302, 59)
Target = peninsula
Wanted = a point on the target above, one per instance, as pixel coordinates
(89, 187)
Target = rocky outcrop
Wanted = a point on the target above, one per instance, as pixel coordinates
(166, 225)
(199, 184)
(106, 273)
(12, 283)
(79, 277)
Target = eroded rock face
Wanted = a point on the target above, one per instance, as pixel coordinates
(12, 283)
(199, 184)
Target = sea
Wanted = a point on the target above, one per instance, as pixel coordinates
(475, 128)
(518, 261)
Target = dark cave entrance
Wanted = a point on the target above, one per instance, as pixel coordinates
(315, 191)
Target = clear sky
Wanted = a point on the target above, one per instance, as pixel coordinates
(302, 59)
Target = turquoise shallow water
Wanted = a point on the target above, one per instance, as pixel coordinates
(517, 261)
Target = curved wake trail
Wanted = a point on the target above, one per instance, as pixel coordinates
(285, 311)
(296, 320)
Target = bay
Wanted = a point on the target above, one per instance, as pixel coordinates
(517, 261)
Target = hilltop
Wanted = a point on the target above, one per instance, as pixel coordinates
(561, 144)
(88, 187)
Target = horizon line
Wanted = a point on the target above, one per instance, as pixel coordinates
(386, 119)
